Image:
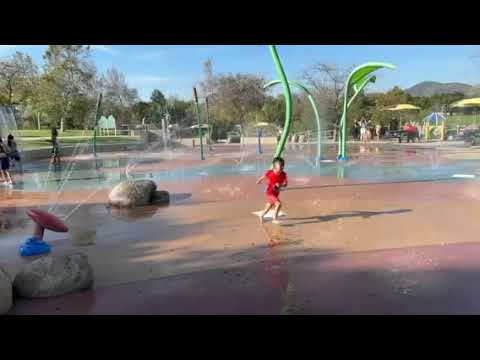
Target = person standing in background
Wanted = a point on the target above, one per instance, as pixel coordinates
(378, 129)
(55, 150)
(5, 177)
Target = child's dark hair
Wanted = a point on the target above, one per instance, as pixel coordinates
(279, 160)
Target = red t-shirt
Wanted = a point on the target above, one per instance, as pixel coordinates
(410, 128)
(274, 178)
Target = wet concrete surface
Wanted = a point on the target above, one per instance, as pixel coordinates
(421, 280)
(347, 246)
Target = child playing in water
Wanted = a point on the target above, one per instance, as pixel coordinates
(277, 179)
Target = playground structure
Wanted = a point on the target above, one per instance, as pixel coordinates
(107, 126)
(434, 126)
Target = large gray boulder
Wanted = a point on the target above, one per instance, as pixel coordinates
(53, 276)
(133, 193)
(5, 292)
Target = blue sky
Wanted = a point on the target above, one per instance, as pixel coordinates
(174, 69)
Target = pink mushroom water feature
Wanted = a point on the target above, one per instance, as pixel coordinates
(43, 220)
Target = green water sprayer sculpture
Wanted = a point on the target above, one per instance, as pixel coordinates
(97, 116)
(356, 81)
(288, 101)
(197, 111)
(314, 107)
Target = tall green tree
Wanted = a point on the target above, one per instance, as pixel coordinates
(18, 78)
(69, 76)
(118, 98)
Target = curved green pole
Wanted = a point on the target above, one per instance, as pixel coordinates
(343, 138)
(357, 80)
(97, 113)
(314, 107)
(288, 100)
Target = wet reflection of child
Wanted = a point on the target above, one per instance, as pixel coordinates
(277, 179)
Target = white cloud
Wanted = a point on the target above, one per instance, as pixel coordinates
(104, 49)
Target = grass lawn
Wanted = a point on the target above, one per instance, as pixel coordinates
(31, 143)
(47, 133)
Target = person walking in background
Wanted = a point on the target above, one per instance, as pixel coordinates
(5, 177)
(411, 131)
(363, 130)
(378, 129)
(356, 129)
(417, 130)
(14, 155)
(55, 149)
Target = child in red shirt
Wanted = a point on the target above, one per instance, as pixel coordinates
(277, 179)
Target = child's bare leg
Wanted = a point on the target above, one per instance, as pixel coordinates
(2, 176)
(278, 206)
(268, 206)
(8, 177)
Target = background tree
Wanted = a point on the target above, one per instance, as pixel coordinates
(141, 111)
(18, 77)
(68, 75)
(158, 107)
(328, 81)
(118, 98)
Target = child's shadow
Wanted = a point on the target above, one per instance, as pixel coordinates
(343, 214)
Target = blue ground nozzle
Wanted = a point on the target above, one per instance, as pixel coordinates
(34, 246)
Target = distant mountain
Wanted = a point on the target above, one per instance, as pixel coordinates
(429, 88)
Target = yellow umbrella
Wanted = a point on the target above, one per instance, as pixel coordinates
(466, 103)
(262, 124)
(403, 107)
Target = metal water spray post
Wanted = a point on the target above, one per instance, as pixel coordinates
(207, 116)
(97, 112)
(202, 157)
(259, 140)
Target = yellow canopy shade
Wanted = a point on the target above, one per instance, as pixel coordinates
(203, 126)
(262, 124)
(466, 103)
(403, 107)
